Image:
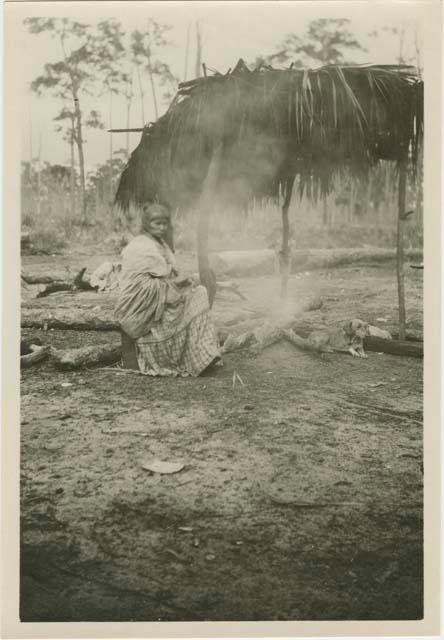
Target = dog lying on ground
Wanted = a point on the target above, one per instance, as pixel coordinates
(349, 338)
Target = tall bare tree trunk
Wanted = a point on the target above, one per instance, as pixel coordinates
(153, 87)
(30, 147)
(72, 173)
(141, 95)
(128, 111)
(110, 177)
(400, 246)
(72, 182)
(198, 71)
(187, 51)
(285, 251)
(79, 141)
(39, 170)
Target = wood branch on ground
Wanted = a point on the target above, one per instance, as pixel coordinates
(266, 262)
(27, 344)
(25, 239)
(78, 284)
(82, 284)
(37, 354)
(103, 354)
(232, 287)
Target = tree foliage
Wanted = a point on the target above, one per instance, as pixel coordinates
(326, 41)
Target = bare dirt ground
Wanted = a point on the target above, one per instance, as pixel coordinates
(301, 495)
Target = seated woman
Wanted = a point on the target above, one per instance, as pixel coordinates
(166, 314)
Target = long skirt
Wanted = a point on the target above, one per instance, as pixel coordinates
(183, 343)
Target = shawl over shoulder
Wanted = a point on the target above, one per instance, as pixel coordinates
(146, 265)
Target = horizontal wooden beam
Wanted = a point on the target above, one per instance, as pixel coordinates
(124, 130)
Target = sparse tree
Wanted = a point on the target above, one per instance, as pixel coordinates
(109, 52)
(326, 41)
(146, 47)
(70, 79)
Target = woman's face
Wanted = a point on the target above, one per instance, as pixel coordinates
(158, 225)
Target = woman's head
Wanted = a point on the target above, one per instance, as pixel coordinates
(155, 220)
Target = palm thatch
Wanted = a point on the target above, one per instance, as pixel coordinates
(274, 125)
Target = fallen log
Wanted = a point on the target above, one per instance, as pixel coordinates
(103, 354)
(329, 258)
(83, 320)
(244, 263)
(53, 287)
(37, 354)
(265, 262)
(29, 279)
(394, 347)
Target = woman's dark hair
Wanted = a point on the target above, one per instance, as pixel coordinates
(151, 208)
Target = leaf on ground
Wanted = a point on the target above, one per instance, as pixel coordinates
(161, 466)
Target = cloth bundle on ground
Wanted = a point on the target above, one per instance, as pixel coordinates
(106, 276)
(171, 324)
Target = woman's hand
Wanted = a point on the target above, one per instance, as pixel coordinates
(183, 281)
(173, 297)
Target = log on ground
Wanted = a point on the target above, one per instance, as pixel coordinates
(37, 354)
(103, 354)
(64, 319)
(30, 279)
(54, 287)
(264, 262)
(394, 347)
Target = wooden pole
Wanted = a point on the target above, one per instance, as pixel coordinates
(206, 276)
(285, 251)
(402, 183)
(110, 173)
(187, 51)
(198, 51)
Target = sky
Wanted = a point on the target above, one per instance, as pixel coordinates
(229, 31)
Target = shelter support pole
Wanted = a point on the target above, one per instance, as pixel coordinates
(285, 251)
(206, 276)
(402, 183)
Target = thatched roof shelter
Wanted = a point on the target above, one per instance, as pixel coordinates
(252, 133)
(275, 124)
